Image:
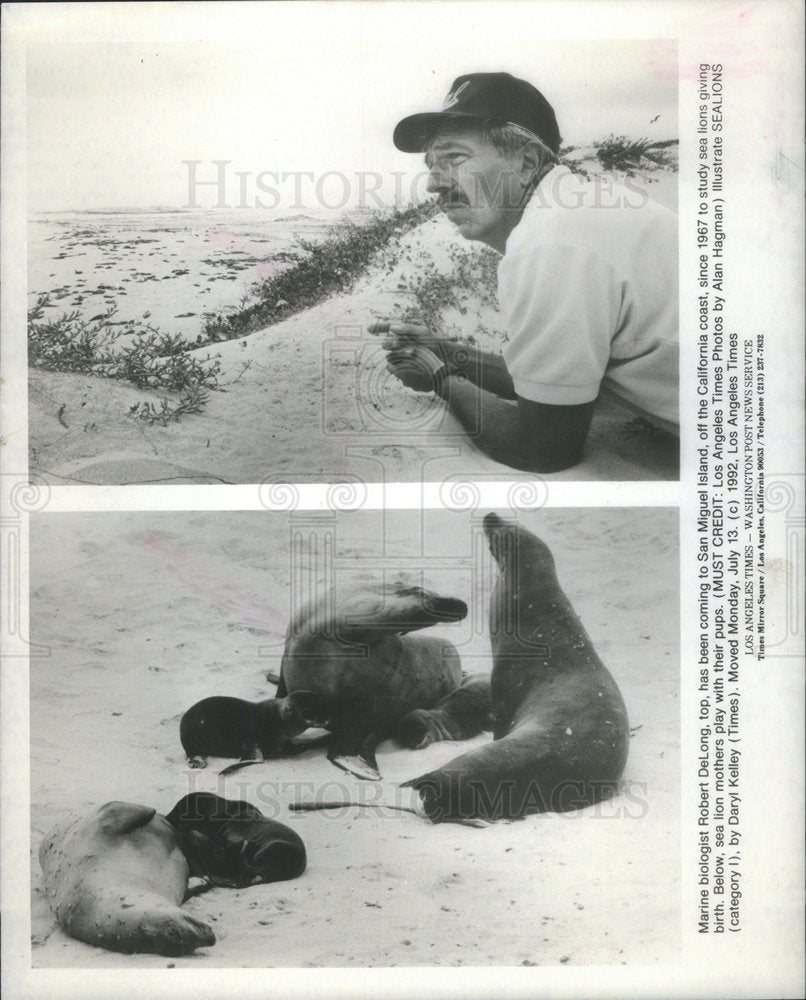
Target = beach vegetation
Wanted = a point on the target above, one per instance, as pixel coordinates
(317, 270)
(192, 400)
(618, 153)
(148, 358)
(473, 272)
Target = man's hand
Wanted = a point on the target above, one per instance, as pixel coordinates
(484, 369)
(415, 366)
(400, 336)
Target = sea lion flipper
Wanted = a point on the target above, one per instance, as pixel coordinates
(479, 824)
(356, 755)
(356, 765)
(198, 890)
(120, 818)
(174, 935)
(232, 768)
(292, 749)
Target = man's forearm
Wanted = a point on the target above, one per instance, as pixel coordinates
(491, 424)
(550, 442)
(487, 371)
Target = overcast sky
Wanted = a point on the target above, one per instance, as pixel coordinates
(119, 96)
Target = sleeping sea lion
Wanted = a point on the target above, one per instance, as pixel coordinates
(115, 877)
(230, 842)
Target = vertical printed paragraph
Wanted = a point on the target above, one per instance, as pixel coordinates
(730, 523)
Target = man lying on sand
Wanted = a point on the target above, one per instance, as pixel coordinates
(587, 283)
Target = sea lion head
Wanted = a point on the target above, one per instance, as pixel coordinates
(117, 819)
(514, 548)
(280, 719)
(501, 536)
(303, 709)
(370, 616)
(420, 728)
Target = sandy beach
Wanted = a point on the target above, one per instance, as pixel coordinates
(306, 398)
(168, 266)
(146, 613)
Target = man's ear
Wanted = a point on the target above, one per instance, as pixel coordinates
(531, 164)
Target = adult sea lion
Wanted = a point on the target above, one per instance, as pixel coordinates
(115, 877)
(357, 657)
(221, 726)
(460, 715)
(560, 729)
(560, 732)
(230, 842)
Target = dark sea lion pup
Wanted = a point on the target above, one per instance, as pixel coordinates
(357, 656)
(460, 715)
(231, 727)
(116, 877)
(231, 843)
(560, 733)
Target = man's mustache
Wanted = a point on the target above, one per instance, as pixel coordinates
(453, 198)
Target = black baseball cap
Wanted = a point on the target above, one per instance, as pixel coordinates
(499, 97)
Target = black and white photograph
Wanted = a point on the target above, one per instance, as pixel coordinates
(350, 262)
(523, 668)
(402, 537)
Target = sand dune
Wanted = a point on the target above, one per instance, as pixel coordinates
(310, 397)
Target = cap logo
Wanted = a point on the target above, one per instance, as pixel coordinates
(453, 96)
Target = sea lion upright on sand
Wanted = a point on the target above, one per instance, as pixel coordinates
(115, 877)
(357, 657)
(560, 734)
